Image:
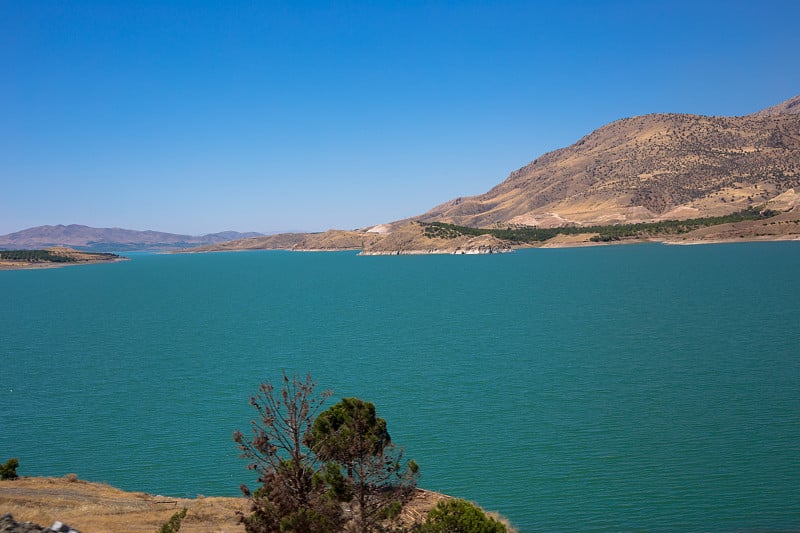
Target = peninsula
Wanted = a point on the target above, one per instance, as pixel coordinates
(52, 258)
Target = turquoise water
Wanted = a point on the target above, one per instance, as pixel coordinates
(636, 387)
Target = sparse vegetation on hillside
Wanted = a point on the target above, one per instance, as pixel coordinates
(527, 234)
(655, 162)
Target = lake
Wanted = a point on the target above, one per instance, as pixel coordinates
(640, 387)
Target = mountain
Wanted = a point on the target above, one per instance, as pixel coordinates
(646, 168)
(649, 168)
(642, 169)
(109, 239)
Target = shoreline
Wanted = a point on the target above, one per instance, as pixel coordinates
(554, 243)
(580, 244)
(543, 245)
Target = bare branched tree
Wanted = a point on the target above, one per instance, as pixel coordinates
(293, 495)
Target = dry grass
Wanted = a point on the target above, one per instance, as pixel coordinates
(100, 508)
(417, 509)
(96, 507)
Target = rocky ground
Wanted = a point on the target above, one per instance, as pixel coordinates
(96, 507)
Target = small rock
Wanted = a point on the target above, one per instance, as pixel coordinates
(9, 525)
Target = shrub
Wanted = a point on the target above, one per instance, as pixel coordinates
(173, 525)
(9, 469)
(460, 516)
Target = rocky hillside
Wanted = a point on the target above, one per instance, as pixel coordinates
(109, 239)
(652, 167)
(644, 169)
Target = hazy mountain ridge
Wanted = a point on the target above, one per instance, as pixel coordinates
(110, 239)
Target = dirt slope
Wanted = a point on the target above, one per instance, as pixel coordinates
(99, 508)
(652, 167)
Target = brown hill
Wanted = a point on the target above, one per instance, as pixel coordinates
(331, 240)
(640, 169)
(404, 239)
(410, 239)
(652, 167)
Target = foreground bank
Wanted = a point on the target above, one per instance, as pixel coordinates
(91, 507)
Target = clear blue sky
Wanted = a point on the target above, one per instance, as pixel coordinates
(195, 117)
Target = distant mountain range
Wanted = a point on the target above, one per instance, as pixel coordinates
(110, 239)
